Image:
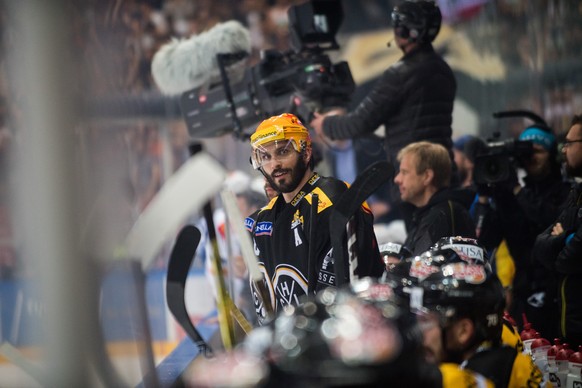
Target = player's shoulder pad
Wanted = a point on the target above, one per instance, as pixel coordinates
(269, 205)
(454, 376)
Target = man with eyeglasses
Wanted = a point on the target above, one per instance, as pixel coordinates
(291, 235)
(559, 247)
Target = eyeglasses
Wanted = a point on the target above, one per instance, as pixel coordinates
(568, 143)
(266, 155)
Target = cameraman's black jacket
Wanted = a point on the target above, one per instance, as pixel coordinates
(519, 219)
(443, 216)
(413, 99)
(562, 254)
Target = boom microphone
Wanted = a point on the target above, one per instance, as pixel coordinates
(185, 64)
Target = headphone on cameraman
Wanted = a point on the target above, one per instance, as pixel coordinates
(417, 21)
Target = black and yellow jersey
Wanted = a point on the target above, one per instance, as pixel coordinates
(511, 337)
(505, 366)
(454, 376)
(282, 234)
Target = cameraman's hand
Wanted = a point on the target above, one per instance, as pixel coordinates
(512, 183)
(557, 229)
(317, 124)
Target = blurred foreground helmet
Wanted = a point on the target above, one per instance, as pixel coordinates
(454, 279)
(276, 137)
(465, 249)
(336, 338)
(411, 271)
(463, 290)
(417, 21)
(397, 251)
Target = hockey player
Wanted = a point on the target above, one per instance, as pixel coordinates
(459, 304)
(291, 233)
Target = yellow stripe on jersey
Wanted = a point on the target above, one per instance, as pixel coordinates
(511, 337)
(270, 205)
(324, 201)
(524, 373)
(454, 376)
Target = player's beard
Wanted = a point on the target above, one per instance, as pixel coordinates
(297, 172)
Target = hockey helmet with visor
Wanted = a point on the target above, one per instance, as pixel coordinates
(274, 138)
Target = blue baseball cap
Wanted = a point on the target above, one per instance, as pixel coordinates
(539, 136)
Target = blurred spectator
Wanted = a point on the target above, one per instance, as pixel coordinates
(262, 184)
(465, 149)
(559, 247)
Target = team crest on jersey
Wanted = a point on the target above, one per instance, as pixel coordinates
(297, 220)
(264, 228)
(420, 270)
(466, 252)
(471, 273)
(249, 222)
(290, 285)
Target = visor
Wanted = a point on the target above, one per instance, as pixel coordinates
(278, 150)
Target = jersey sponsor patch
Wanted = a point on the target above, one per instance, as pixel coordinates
(313, 179)
(326, 273)
(471, 273)
(323, 201)
(469, 253)
(249, 222)
(420, 270)
(298, 198)
(377, 292)
(264, 228)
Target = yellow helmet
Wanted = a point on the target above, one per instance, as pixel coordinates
(285, 128)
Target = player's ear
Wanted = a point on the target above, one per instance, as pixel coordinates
(464, 330)
(307, 154)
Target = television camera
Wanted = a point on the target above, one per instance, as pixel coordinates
(299, 81)
(496, 163)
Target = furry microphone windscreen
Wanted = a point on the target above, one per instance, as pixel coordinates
(185, 64)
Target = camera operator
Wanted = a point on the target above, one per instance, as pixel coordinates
(559, 247)
(506, 210)
(413, 99)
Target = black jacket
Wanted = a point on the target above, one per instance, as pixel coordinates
(563, 255)
(443, 216)
(519, 219)
(413, 99)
